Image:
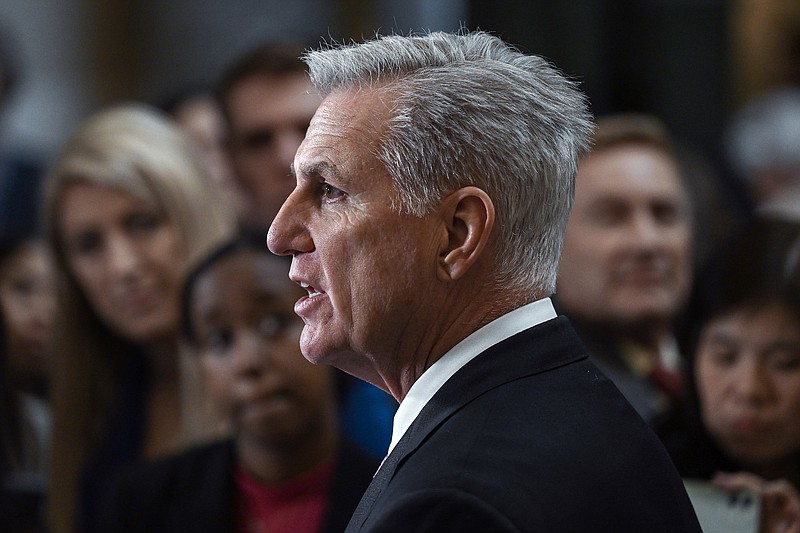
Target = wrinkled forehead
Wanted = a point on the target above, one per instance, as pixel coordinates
(365, 110)
(346, 128)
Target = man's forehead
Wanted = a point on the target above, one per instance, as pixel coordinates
(338, 126)
(362, 108)
(318, 168)
(338, 108)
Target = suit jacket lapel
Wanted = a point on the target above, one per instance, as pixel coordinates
(375, 488)
(538, 349)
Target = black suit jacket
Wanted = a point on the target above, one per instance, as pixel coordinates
(195, 491)
(528, 436)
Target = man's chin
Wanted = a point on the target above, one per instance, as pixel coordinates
(345, 359)
(321, 351)
(313, 355)
(312, 346)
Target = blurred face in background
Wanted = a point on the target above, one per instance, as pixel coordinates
(127, 257)
(268, 118)
(200, 117)
(27, 296)
(627, 248)
(747, 368)
(248, 337)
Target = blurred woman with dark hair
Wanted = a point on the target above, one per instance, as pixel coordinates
(27, 307)
(743, 411)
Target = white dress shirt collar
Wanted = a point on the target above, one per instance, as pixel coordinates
(434, 377)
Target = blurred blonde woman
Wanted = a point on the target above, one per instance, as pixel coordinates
(128, 206)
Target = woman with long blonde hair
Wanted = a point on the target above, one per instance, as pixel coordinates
(128, 206)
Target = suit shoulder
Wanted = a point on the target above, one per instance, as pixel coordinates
(440, 509)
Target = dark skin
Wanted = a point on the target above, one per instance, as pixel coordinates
(280, 406)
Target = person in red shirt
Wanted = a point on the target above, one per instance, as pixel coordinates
(286, 467)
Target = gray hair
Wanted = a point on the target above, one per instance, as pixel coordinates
(471, 110)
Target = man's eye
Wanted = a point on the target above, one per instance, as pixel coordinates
(330, 192)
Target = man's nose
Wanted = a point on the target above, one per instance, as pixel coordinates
(287, 234)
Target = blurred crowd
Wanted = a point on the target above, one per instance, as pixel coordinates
(149, 348)
(107, 360)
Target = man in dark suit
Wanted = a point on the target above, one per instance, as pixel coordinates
(433, 188)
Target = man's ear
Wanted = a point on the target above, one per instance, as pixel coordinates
(468, 216)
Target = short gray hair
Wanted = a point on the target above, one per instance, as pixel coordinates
(471, 110)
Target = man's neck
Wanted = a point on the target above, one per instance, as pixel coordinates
(469, 314)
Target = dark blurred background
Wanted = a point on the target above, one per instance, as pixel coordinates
(692, 62)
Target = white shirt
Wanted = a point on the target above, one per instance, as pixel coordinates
(462, 353)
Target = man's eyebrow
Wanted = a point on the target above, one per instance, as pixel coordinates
(321, 169)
